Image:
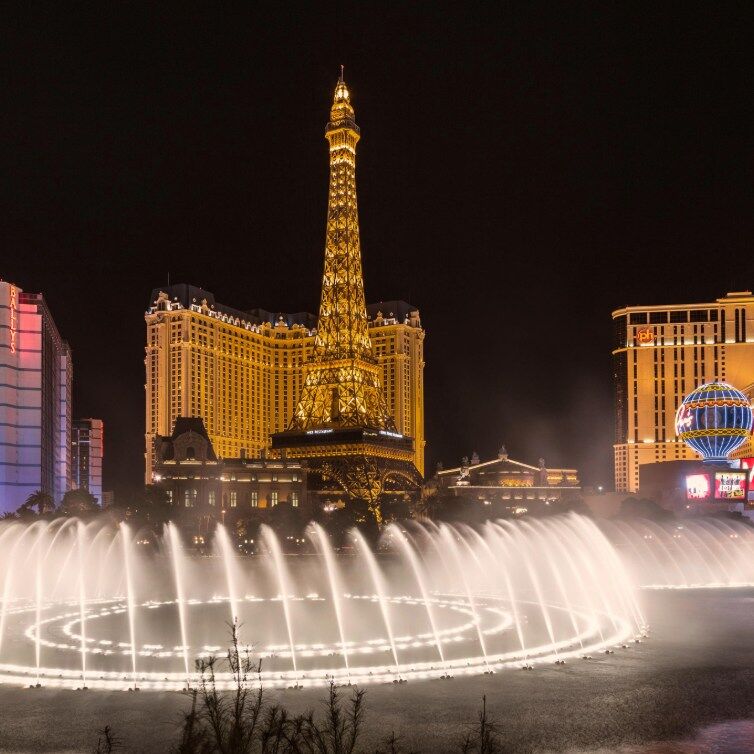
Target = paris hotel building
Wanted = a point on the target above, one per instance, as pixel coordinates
(660, 354)
(242, 371)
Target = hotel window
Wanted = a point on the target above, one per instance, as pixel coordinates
(273, 499)
(189, 498)
(254, 499)
(294, 499)
(211, 497)
(233, 498)
(170, 496)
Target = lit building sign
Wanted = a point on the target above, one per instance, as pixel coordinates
(645, 336)
(387, 433)
(318, 431)
(697, 487)
(13, 317)
(730, 485)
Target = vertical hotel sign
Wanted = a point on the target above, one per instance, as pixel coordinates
(13, 317)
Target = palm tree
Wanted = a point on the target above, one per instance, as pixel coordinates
(39, 500)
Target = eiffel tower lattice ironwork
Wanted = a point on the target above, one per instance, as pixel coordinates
(342, 422)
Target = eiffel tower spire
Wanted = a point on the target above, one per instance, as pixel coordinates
(343, 386)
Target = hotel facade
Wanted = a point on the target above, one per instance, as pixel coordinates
(36, 376)
(242, 372)
(87, 452)
(660, 354)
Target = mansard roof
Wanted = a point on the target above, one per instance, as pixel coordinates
(187, 295)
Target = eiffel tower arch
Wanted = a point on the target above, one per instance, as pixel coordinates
(342, 426)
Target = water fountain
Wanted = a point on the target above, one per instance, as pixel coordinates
(96, 606)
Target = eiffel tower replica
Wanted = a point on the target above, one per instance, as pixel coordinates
(342, 426)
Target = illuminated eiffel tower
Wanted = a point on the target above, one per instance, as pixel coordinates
(342, 425)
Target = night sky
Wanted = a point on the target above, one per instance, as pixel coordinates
(522, 172)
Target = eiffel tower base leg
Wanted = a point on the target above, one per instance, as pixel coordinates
(368, 479)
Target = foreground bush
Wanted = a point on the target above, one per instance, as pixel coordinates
(241, 721)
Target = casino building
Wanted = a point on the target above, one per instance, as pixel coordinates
(36, 375)
(507, 481)
(662, 353)
(205, 488)
(714, 420)
(242, 371)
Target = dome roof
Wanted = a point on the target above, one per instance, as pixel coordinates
(714, 420)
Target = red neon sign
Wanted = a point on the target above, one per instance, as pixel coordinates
(13, 317)
(645, 335)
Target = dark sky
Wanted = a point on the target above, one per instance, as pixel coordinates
(522, 173)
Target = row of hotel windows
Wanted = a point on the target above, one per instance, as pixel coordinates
(239, 348)
(659, 318)
(695, 315)
(230, 499)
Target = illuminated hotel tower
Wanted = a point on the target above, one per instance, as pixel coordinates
(36, 376)
(342, 423)
(87, 451)
(662, 353)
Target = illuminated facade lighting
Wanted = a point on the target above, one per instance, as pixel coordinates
(87, 453)
(242, 372)
(662, 353)
(36, 375)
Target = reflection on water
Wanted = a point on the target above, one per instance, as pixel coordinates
(733, 737)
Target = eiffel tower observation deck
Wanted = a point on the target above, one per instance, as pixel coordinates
(342, 425)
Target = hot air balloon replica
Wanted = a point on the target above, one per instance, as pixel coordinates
(714, 420)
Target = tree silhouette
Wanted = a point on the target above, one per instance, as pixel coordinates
(78, 503)
(43, 503)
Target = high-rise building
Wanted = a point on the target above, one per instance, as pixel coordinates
(242, 371)
(36, 376)
(342, 424)
(87, 452)
(660, 354)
